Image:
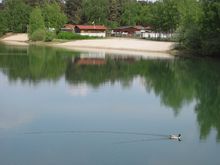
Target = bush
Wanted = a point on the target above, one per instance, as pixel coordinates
(49, 36)
(3, 23)
(38, 35)
(72, 36)
(211, 46)
(36, 22)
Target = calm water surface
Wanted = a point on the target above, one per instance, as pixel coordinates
(59, 107)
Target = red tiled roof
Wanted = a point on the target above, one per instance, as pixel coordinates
(91, 61)
(70, 26)
(91, 27)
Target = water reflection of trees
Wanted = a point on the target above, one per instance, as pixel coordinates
(32, 64)
(189, 80)
(176, 82)
(193, 80)
(161, 76)
(96, 75)
(208, 96)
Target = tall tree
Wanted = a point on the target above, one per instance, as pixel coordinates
(210, 27)
(17, 14)
(114, 11)
(199, 30)
(36, 21)
(95, 11)
(53, 16)
(3, 24)
(130, 13)
(171, 16)
(144, 18)
(73, 11)
(189, 28)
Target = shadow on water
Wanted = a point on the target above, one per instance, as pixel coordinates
(176, 82)
(152, 136)
(143, 140)
(96, 132)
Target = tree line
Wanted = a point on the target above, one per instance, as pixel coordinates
(195, 22)
(111, 13)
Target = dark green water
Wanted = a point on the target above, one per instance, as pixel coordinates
(56, 110)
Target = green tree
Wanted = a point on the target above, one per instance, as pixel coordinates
(35, 65)
(95, 11)
(114, 12)
(156, 16)
(36, 22)
(73, 10)
(130, 13)
(145, 15)
(17, 14)
(171, 16)
(199, 29)
(210, 27)
(189, 28)
(53, 16)
(3, 24)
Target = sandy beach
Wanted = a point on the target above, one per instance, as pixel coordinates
(126, 46)
(122, 46)
(16, 39)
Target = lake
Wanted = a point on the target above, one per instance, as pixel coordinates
(59, 107)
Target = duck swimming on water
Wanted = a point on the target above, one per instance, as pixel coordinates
(175, 137)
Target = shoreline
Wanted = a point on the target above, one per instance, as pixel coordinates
(121, 46)
(20, 39)
(121, 52)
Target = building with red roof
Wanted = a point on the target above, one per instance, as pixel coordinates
(91, 30)
(68, 28)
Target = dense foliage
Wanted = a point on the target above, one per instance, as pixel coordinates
(96, 14)
(53, 16)
(3, 24)
(73, 9)
(17, 15)
(199, 29)
(32, 16)
(36, 28)
(38, 35)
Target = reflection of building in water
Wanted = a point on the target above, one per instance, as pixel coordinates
(100, 58)
(127, 59)
(90, 61)
(91, 58)
(98, 55)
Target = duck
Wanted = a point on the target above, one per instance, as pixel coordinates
(175, 137)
